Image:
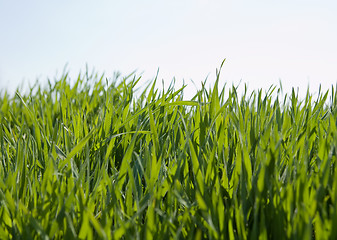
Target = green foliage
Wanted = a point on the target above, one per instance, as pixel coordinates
(92, 161)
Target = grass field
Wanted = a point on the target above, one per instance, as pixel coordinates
(92, 161)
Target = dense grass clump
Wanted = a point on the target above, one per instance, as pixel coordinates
(90, 160)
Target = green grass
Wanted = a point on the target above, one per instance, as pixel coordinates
(92, 161)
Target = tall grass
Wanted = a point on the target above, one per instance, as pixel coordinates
(91, 160)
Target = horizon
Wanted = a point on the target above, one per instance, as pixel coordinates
(264, 43)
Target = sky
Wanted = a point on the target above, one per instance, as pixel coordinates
(263, 42)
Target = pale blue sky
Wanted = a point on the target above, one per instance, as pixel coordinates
(263, 41)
